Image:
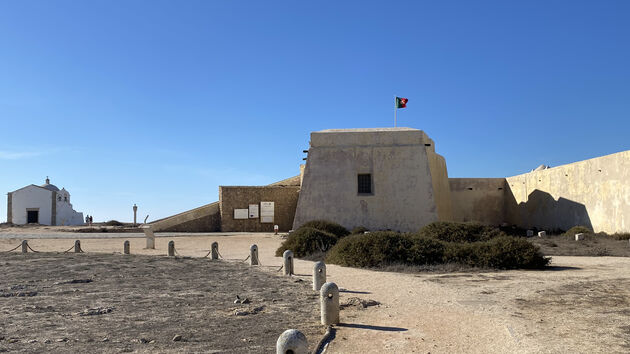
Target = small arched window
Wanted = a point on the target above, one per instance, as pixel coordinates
(59, 198)
(65, 198)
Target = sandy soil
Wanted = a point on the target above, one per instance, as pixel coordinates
(582, 304)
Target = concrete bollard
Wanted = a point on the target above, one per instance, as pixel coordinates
(150, 236)
(171, 248)
(319, 275)
(530, 233)
(24, 246)
(214, 251)
(253, 255)
(579, 237)
(287, 257)
(126, 247)
(542, 234)
(329, 299)
(77, 246)
(292, 341)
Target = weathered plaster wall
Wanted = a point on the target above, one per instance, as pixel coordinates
(240, 197)
(478, 199)
(32, 197)
(203, 219)
(593, 192)
(439, 178)
(402, 196)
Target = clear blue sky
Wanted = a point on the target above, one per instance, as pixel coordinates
(160, 102)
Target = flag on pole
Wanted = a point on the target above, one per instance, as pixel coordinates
(401, 102)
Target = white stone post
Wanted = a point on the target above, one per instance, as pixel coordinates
(292, 341)
(171, 248)
(530, 233)
(329, 299)
(214, 251)
(579, 237)
(24, 246)
(77, 246)
(542, 234)
(253, 255)
(126, 247)
(148, 232)
(319, 275)
(287, 257)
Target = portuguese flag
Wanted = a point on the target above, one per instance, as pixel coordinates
(401, 102)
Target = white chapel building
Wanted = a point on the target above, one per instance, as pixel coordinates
(45, 204)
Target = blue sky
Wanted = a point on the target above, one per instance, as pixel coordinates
(160, 102)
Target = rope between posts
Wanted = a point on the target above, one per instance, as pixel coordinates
(244, 260)
(32, 250)
(279, 269)
(68, 250)
(207, 254)
(13, 249)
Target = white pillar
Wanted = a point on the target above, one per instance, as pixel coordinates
(319, 275)
(292, 341)
(287, 257)
(253, 255)
(329, 300)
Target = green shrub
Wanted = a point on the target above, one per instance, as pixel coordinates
(377, 249)
(577, 230)
(330, 227)
(306, 241)
(359, 230)
(371, 250)
(113, 223)
(459, 232)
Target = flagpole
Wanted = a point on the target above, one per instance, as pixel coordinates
(395, 110)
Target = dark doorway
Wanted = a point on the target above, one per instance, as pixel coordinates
(32, 216)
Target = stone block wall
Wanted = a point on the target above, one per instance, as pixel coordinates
(478, 199)
(240, 197)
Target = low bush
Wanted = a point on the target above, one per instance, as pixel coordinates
(577, 230)
(328, 226)
(113, 223)
(378, 249)
(306, 241)
(459, 232)
(359, 230)
(371, 250)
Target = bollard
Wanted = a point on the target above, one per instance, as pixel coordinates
(148, 232)
(292, 341)
(530, 233)
(329, 298)
(287, 256)
(126, 247)
(215, 250)
(319, 275)
(24, 246)
(579, 237)
(253, 255)
(171, 248)
(77, 246)
(542, 234)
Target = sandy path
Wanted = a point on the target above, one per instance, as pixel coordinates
(582, 305)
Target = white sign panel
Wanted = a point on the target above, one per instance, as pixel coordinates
(241, 213)
(253, 211)
(266, 212)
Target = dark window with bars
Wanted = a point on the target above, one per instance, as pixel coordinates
(365, 183)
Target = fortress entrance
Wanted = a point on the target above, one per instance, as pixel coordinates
(32, 216)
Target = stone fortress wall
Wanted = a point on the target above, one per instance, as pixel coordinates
(412, 188)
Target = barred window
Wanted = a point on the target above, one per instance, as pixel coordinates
(365, 183)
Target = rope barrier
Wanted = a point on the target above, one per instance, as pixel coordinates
(206, 256)
(244, 260)
(20, 245)
(32, 250)
(69, 249)
(279, 269)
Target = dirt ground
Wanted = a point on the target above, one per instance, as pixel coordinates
(581, 304)
(112, 303)
(592, 245)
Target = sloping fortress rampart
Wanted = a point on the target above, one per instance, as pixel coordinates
(392, 178)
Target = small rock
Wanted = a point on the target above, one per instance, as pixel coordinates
(241, 313)
(13, 340)
(105, 339)
(47, 341)
(245, 301)
(144, 340)
(152, 341)
(177, 338)
(298, 280)
(59, 340)
(32, 341)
